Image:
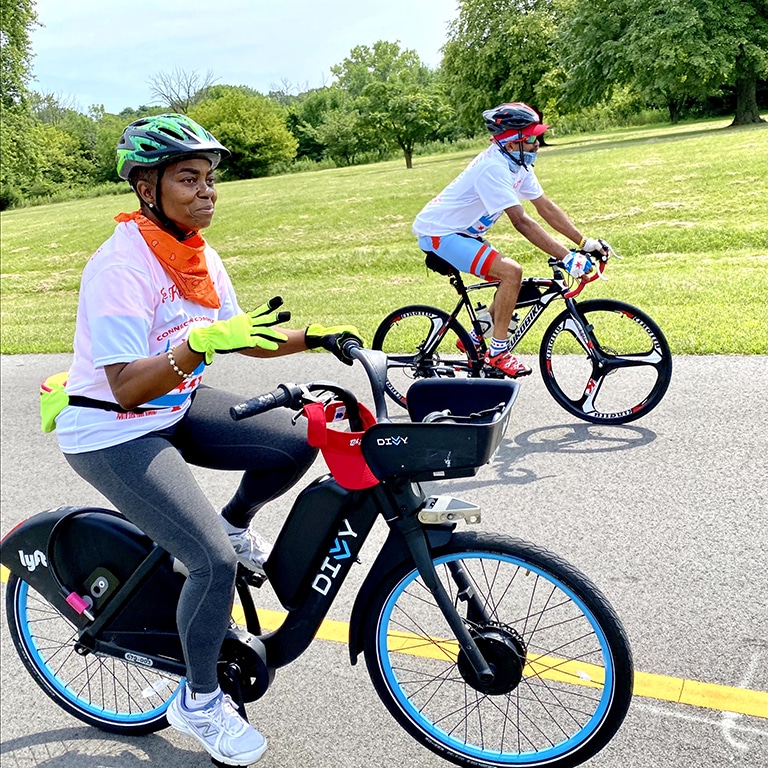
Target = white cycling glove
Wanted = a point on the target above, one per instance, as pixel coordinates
(577, 264)
(591, 244)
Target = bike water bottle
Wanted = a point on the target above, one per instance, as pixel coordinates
(485, 320)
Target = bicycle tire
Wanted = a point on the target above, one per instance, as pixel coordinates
(410, 328)
(105, 692)
(638, 363)
(542, 709)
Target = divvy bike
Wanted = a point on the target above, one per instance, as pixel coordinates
(488, 650)
(603, 360)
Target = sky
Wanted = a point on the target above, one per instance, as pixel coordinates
(104, 52)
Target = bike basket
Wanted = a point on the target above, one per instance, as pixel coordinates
(436, 450)
(341, 450)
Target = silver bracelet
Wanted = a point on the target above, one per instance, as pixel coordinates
(172, 361)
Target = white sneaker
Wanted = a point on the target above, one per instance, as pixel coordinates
(219, 728)
(251, 549)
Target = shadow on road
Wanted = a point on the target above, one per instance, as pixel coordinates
(564, 439)
(88, 748)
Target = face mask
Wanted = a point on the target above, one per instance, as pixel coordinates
(513, 159)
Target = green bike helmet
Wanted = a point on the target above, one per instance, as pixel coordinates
(154, 141)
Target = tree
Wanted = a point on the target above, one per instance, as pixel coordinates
(673, 52)
(499, 51)
(180, 90)
(17, 18)
(250, 125)
(395, 94)
(17, 149)
(340, 135)
(310, 110)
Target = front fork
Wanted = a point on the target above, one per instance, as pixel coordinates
(413, 533)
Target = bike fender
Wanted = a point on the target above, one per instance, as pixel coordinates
(25, 550)
(394, 552)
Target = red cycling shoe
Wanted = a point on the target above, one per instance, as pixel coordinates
(460, 347)
(507, 364)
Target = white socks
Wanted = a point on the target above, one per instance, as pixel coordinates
(194, 701)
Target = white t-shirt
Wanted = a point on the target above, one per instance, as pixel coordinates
(130, 308)
(477, 197)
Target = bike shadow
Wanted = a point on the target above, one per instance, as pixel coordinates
(565, 439)
(84, 748)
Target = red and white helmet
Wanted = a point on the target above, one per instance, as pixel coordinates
(513, 121)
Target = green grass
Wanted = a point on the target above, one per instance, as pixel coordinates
(686, 206)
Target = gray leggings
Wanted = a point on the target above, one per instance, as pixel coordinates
(148, 479)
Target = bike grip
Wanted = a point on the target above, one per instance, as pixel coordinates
(261, 403)
(348, 346)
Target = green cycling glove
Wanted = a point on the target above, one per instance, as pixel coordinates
(332, 339)
(247, 330)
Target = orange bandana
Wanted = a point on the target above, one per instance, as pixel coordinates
(184, 262)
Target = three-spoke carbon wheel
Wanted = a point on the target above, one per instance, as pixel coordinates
(102, 691)
(561, 662)
(427, 331)
(617, 373)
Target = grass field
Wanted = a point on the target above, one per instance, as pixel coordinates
(686, 206)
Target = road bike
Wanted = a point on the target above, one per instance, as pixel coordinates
(603, 360)
(488, 650)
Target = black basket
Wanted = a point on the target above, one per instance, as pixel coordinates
(442, 449)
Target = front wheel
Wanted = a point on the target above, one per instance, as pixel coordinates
(612, 365)
(105, 692)
(562, 665)
(420, 343)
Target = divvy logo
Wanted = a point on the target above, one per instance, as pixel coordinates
(32, 561)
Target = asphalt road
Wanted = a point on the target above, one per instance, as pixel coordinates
(667, 515)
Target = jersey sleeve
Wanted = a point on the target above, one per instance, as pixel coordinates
(119, 314)
(530, 188)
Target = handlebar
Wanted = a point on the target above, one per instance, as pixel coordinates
(295, 396)
(600, 260)
(284, 395)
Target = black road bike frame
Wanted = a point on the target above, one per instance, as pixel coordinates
(535, 292)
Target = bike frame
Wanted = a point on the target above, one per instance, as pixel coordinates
(548, 289)
(397, 501)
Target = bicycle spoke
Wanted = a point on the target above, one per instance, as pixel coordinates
(611, 368)
(559, 691)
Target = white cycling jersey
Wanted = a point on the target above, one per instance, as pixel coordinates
(129, 308)
(477, 197)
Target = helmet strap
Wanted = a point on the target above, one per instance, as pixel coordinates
(157, 211)
(519, 160)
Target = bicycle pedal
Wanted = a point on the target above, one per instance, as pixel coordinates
(254, 579)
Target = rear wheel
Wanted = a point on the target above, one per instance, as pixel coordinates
(420, 343)
(562, 664)
(617, 374)
(102, 691)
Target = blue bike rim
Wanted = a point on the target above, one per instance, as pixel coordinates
(488, 755)
(99, 713)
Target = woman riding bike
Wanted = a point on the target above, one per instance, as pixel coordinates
(156, 304)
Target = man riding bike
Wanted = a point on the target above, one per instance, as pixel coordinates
(453, 224)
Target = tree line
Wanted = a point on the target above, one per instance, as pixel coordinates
(581, 63)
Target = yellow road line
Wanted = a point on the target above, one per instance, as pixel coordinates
(743, 701)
